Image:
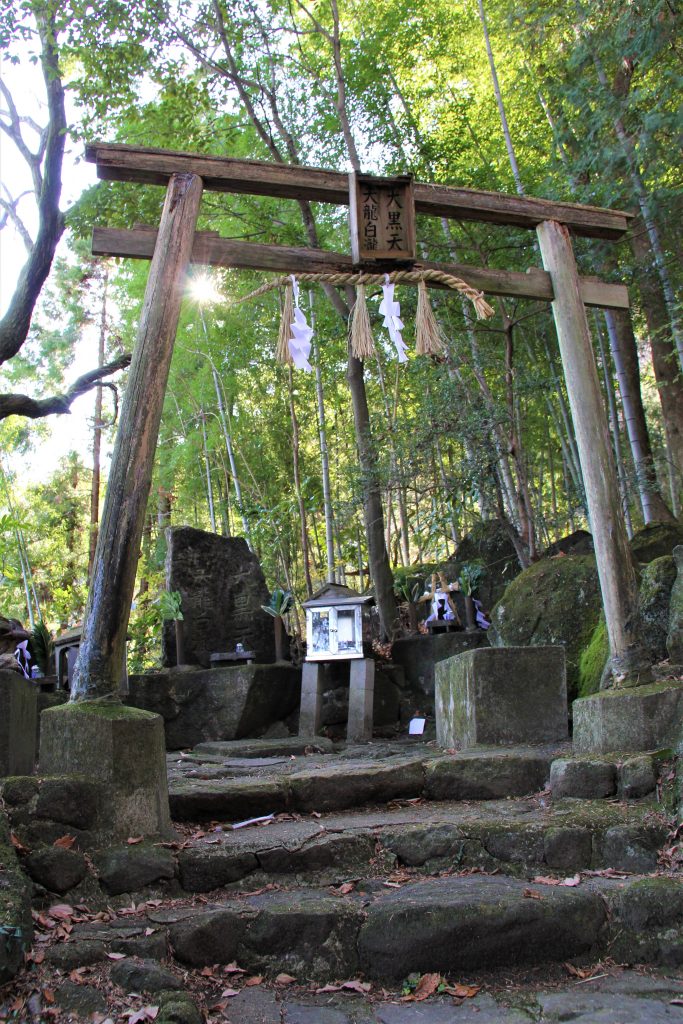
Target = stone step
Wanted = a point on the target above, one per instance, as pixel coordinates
(450, 925)
(522, 836)
(237, 788)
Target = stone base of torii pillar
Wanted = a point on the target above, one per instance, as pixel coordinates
(361, 699)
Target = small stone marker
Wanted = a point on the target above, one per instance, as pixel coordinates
(501, 695)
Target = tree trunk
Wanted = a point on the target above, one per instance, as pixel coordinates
(101, 657)
(625, 357)
(372, 505)
(616, 571)
(324, 460)
(97, 435)
(305, 548)
(664, 361)
(614, 428)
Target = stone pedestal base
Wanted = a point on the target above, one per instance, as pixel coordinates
(637, 718)
(361, 699)
(18, 724)
(502, 696)
(120, 747)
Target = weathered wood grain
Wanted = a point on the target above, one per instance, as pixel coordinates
(617, 575)
(100, 659)
(209, 248)
(223, 174)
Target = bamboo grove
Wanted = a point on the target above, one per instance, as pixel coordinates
(573, 102)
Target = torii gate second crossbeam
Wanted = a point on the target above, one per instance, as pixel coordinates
(176, 245)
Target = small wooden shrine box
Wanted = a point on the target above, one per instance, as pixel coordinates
(334, 623)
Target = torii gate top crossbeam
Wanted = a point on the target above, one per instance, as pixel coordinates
(254, 177)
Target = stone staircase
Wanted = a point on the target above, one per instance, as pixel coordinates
(393, 858)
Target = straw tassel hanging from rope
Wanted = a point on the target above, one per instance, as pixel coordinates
(282, 353)
(362, 343)
(429, 340)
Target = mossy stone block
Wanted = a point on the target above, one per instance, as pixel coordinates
(18, 714)
(120, 747)
(501, 696)
(635, 719)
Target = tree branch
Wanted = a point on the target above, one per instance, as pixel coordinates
(14, 326)
(34, 408)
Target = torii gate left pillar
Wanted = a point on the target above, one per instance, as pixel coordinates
(94, 734)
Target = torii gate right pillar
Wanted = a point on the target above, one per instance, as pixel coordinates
(616, 570)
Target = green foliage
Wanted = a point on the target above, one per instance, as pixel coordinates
(169, 602)
(471, 574)
(281, 601)
(41, 647)
(419, 100)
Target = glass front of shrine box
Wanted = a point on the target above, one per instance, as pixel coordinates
(334, 624)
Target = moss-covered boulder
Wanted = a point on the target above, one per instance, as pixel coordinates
(555, 601)
(654, 597)
(489, 543)
(674, 640)
(593, 659)
(656, 540)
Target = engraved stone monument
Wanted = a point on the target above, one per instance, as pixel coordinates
(222, 588)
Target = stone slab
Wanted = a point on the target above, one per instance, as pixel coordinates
(501, 696)
(222, 589)
(217, 704)
(462, 924)
(18, 724)
(120, 747)
(285, 747)
(635, 719)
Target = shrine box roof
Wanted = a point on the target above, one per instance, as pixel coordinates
(335, 594)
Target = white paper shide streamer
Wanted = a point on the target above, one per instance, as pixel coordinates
(301, 334)
(391, 311)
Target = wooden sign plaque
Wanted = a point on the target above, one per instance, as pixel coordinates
(381, 218)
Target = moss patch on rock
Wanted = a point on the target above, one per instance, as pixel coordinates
(555, 601)
(592, 660)
(656, 540)
(654, 599)
(16, 929)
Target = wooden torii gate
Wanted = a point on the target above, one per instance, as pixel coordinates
(176, 244)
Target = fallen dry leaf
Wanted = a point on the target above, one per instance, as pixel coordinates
(233, 969)
(285, 979)
(546, 880)
(132, 840)
(531, 894)
(576, 972)
(65, 842)
(574, 880)
(255, 980)
(228, 993)
(61, 911)
(206, 972)
(463, 991)
(17, 844)
(48, 995)
(145, 1013)
(116, 956)
(357, 986)
(426, 986)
